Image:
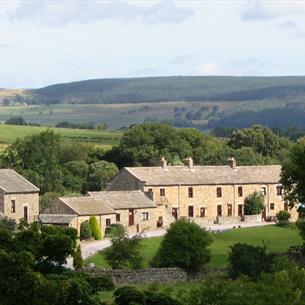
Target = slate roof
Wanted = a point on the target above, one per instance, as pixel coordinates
(56, 218)
(124, 199)
(206, 175)
(87, 205)
(11, 182)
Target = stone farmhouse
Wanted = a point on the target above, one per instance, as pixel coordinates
(133, 209)
(19, 199)
(206, 194)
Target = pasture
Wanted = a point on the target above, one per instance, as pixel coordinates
(10, 133)
(276, 239)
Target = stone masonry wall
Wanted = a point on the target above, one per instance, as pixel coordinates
(149, 276)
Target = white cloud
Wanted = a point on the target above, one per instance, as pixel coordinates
(58, 13)
(209, 68)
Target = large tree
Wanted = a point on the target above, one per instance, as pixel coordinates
(293, 174)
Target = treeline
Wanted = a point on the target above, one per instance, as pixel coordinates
(281, 118)
(174, 88)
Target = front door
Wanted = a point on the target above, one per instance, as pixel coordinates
(191, 211)
(219, 210)
(264, 214)
(175, 213)
(240, 210)
(26, 214)
(229, 209)
(131, 217)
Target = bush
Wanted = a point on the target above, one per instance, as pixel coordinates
(185, 245)
(100, 283)
(249, 260)
(77, 259)
(85, 230)
(95, 228)
(124, 252)
(283, 216)
(129, 295)
(254, 204)
(8, 224)
(115, 229)
(154, 298)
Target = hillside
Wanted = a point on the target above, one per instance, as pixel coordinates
(173, 88)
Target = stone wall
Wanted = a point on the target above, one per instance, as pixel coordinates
(222, 220)
(152, 275)
(146, 276)
(253, 218)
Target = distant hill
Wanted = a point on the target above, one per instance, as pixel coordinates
(173, 88)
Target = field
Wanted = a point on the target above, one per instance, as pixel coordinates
(115, 115)
(9, 133)
(275, 238)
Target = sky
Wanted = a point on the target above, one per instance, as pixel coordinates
(48, 42)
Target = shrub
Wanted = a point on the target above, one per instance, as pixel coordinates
(185, 245)
(154, 298)
(95, 228)
(124, 252)
(77, 259)
(100, 283)
(85, 230)
(8, 224)
(115, 229)
(254, 204)
(283, 216)
(249, 260)
(129, 295)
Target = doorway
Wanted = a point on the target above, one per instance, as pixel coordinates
(175, 212)
(25, 214)
(131, 217)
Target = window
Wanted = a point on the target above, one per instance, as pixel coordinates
(191, 192)
(240, 191)
(149, 190)
(191, 211)
(219, 210)
(218, 192)
(285, 206)
(240, 210)
(279, 190)
(229, 209)
(271, 206)
(118, 217)
(13, 206)
(162, 192)
(108, 222)
(202, 212)
(144, 215)
(264, 190)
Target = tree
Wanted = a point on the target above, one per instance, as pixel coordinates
(16, 121)
(100, 173)
(254, 204)
(124, 252)
(7, 223)
(85, 230)
(95, 228)
(293, 175)
(37, 159)
(77, 259)
(249, 260)
(283, 216)
(185, 245)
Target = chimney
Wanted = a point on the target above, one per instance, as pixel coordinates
(232, 162)
(163, 162)
(188, 162)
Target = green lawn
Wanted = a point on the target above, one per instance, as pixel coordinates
(9, 133)
(277, 239)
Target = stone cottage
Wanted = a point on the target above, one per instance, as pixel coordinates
(19, 199)
(133, 209)
(206, 194)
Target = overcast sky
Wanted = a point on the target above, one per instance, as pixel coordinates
(46, 42)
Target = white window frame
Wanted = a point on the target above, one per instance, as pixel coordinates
(145, 216)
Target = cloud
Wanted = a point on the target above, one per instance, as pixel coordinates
(59, 13)
(287, 25)
(6, 46)
(209, 68)
(267, 10)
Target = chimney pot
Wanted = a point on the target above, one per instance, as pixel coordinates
(232, 162)
(163, 162)
(189, 162)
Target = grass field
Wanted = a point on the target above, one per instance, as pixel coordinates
(115, 115)
(277, 240)
(9, 133)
